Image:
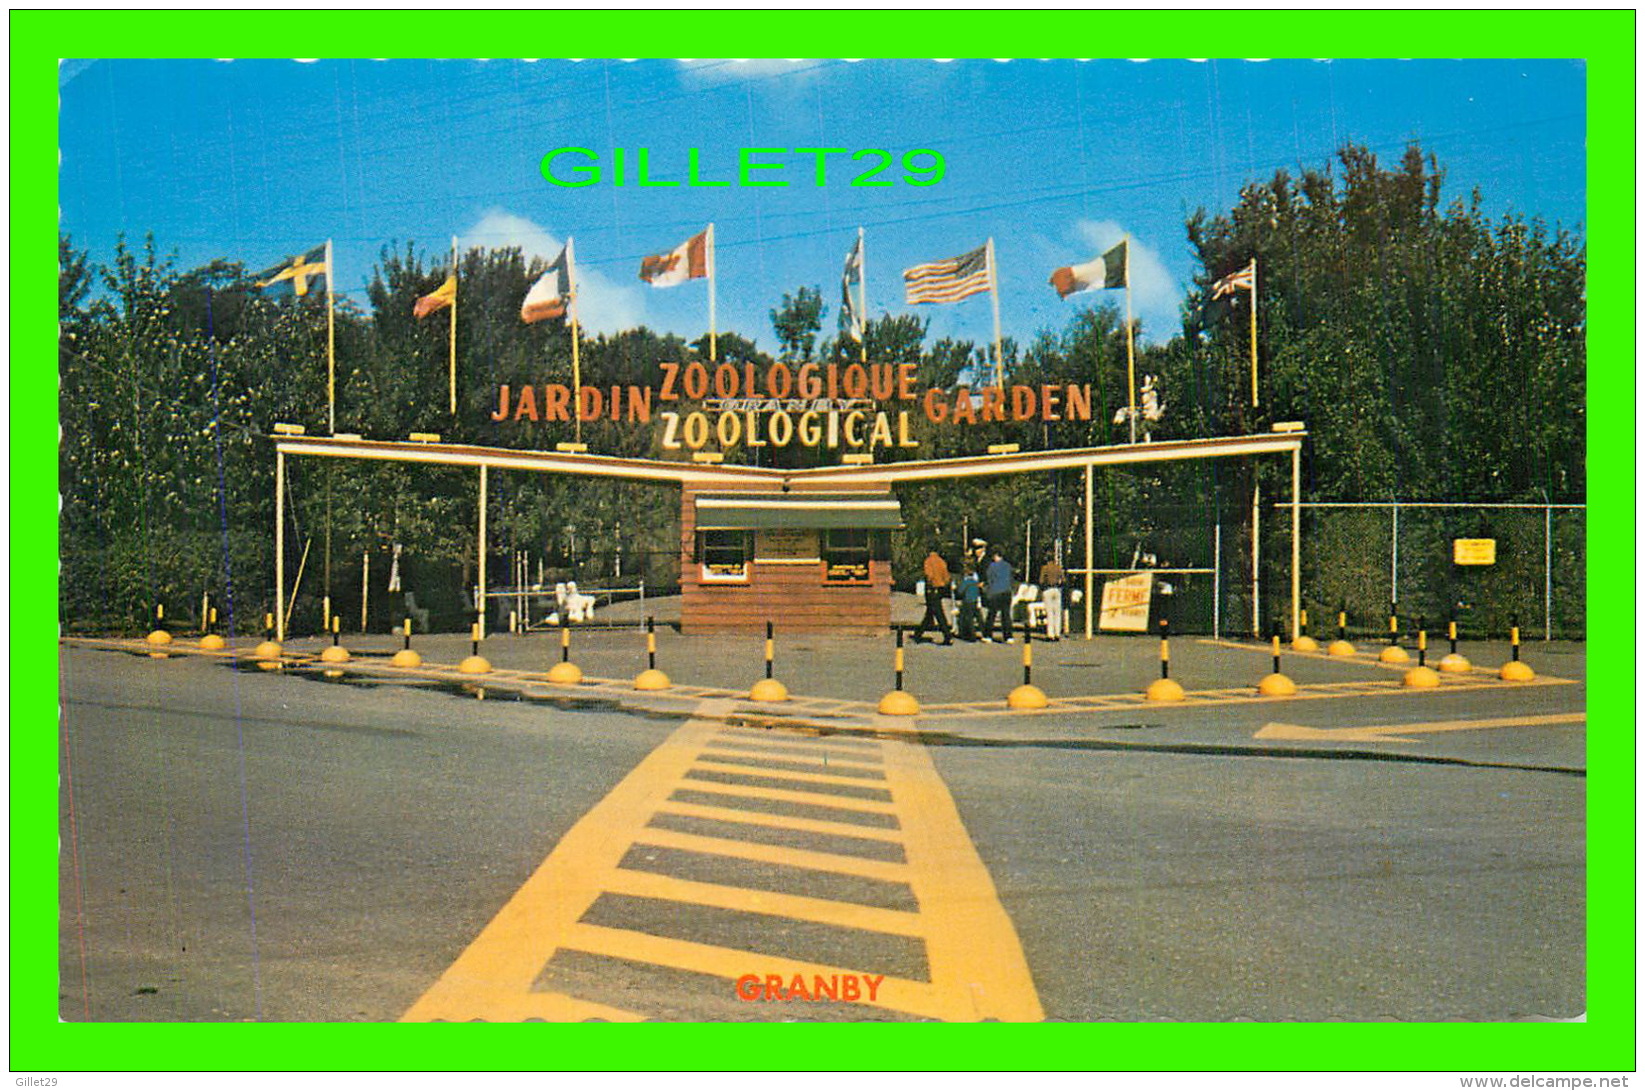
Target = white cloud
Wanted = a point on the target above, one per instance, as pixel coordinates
(602, 305)
(1156, 297)
(734, 71)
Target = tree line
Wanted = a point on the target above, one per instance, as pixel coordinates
(1433, 352)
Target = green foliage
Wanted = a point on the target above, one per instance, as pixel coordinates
(1432, 353)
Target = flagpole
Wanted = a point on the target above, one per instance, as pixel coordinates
(454, 327)
(994, 293)
(1130, 345)
(576, 358)
(331, 346)
(713, 333)
(862, 295)
(1254, 334)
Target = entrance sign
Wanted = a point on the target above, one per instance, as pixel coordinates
(1125, 603)
(1474, 551)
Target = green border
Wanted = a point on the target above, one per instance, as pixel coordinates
(1604, 1042)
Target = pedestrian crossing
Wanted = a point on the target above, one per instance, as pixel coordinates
(826, 870)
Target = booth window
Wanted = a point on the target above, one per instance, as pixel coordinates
(846, 555)
(725, 554)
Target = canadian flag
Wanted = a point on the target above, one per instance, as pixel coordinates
(687, 261)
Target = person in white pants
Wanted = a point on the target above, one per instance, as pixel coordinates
(1051, 579)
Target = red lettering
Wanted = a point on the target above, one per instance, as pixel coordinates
(797, 989)
(873, 985)
(849, 989)
(880, 375)
(826, 986)
(748, 987)
(696, 381)
(1078, 403)
(527, 405)
(724, 387)
(639, 404)
(1022, 403)
(855, 381)
(905, 382)
(773, 387)
(809, 383)
(773, 987)
(1048, 402)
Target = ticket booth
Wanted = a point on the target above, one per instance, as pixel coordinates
(805, 561)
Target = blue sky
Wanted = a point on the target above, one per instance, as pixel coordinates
(255, 160)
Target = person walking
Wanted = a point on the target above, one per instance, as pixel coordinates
(1051, 581)
(997, 582)
(970, 603)
(937, 580)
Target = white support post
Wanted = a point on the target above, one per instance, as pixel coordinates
(1256, 561)
(280, 547)
(482, 555)
(1090, 558)
(1296, 542)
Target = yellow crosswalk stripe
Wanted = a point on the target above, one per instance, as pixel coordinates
(774, 854)
(796, 775)
(780, 821)
(785, 795)
(646, 884)
(976, 964)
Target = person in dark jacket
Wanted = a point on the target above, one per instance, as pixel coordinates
(997, 584)
(970, 608)
(937, 580)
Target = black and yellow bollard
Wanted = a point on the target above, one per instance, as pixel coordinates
(768, 688)
(1164, 688)
(1277, 684)
(1422, 676)
(565, 672)
(651, 677)
(1027, 695)
(405, 657)
(1514, 670)
(211, 642)
(899, 702)
(1393, 653)
(1304, 642)
(158, 636)
(475, 663)
(1340, 645)
(1455, 663)
(336, 653)
(268, 652)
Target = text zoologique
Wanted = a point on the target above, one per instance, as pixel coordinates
(814, 405)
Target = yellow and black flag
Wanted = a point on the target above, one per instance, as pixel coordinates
(297, 272)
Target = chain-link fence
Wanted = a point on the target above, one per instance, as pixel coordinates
(1364, 559)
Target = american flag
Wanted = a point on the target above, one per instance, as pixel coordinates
(1233, 282)
(950, 281)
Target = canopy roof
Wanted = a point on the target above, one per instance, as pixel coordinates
(814, 510)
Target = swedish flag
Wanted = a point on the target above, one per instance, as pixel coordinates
(297, 271)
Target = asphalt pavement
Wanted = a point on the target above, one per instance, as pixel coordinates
(247, 844)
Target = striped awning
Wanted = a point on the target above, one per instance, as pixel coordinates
(826, 511)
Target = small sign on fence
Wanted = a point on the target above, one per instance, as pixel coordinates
(1473, 551)
(1125, 603)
